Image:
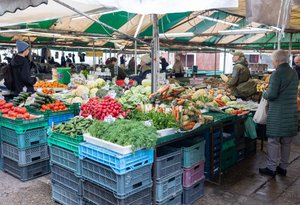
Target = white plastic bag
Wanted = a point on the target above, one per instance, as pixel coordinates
(261, 113)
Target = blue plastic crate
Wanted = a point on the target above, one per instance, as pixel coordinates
(65, 158)
(168, 161)
(97, 195)
(169, 186)
(1, 163)
(25, 139)
(193, 193)
(176, 200)
(65, 196)
(57, 119)
(122, 185)
(66, 178)
(26, 156)
(118, 162)
(27, 172)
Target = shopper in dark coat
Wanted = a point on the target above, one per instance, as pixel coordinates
(21, 69)
(297, 65)
(282, 119)
(164, 64)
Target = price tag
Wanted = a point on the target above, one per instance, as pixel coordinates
(106, 87)
(109, 119)
(39, 90)
(209, 86)
(112, 93)
(126, 81)
(148, 123)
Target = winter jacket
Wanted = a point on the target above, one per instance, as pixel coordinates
(240, 73)
(177, 67)
(282, 119)
(21, 74)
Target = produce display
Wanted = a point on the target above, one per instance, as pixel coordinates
(54, 84)
(74, 127)
(40, 100)
(9, 111)
(160, 120)
(135, 96)
(124, 132)
(21, 98)
(101, 108)
(54, 107)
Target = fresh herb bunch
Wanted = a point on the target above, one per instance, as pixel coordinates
(160, 120)
(124, 132)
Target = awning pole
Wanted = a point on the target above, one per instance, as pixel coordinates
(224, 63)
(216, 62)
(94, 56)
(99, 22)
(155, 54)
(135, 57)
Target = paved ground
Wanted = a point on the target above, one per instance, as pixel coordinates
(241, 185)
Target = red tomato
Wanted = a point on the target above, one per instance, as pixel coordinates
(20, 116)
(23, 110)
(26, 115)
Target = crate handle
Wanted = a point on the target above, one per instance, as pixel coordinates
(137, 185)
(197, 148)
(170, 158)
(35, 142)
(36, 158)
(37, 174)
(196, 167)
(172, 199)
(196, 186)
(172, 179)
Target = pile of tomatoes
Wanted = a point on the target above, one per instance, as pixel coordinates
(9, 111)
(54, 107)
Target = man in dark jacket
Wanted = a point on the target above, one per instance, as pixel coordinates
(282, 118)
(121, 74)
(297, 65)
(21, 69)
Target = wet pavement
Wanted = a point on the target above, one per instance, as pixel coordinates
(240, 185)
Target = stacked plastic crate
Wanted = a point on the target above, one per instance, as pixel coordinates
(24, 147)
(116, 177)
(212, 153)
(229, 153)
(193, 156)
(65, 168)
(168, 176)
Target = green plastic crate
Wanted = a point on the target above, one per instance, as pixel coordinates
(193, 151)
(64, 144)
(21, 126)
(75, 140)
(229, 154)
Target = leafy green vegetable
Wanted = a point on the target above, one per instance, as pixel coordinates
(135, 96)
(160, 120)
(124, 132)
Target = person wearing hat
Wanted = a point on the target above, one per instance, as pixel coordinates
(240, 73)
(178, 67)
(21, 69)
(145, 69)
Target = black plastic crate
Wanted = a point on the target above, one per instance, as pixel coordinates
(25, 156)
(168, 161)
(193, 193)
(250, 147)
(176, 200)
(169, 186)
(98, 195)
(239, 129)
(65, 196)
(66, 178)
(121, 185)
(27, 172)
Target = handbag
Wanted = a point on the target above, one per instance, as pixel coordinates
(260, 116)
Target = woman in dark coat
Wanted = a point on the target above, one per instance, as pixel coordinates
(282, 119)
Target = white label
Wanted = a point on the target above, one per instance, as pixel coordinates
(112, 93)
(148, 123)
(126, 81)
(109, 119)
(106, 87)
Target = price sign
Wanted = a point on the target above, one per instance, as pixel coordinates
(109, 119)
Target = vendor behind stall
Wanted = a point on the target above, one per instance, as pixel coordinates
(121, 74)
(240, 83)
(178, 67)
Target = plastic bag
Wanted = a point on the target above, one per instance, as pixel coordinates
(260, 116)
(250, 128)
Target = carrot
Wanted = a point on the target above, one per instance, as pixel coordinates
(189, 126)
